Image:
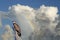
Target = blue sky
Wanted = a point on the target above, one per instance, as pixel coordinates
(4, 5)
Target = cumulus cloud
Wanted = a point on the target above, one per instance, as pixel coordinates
(47, 15)
(39, 24)
(46, 19)
(23, 17)
(8, 34)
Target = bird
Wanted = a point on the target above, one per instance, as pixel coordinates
(17, 28)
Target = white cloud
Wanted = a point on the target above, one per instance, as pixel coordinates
(47, 15)
(50, 12)
(46, 19)
(23, 14)
(27, 16)
(40, 21)
(8, 34)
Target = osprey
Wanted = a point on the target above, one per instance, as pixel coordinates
(17, 28)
